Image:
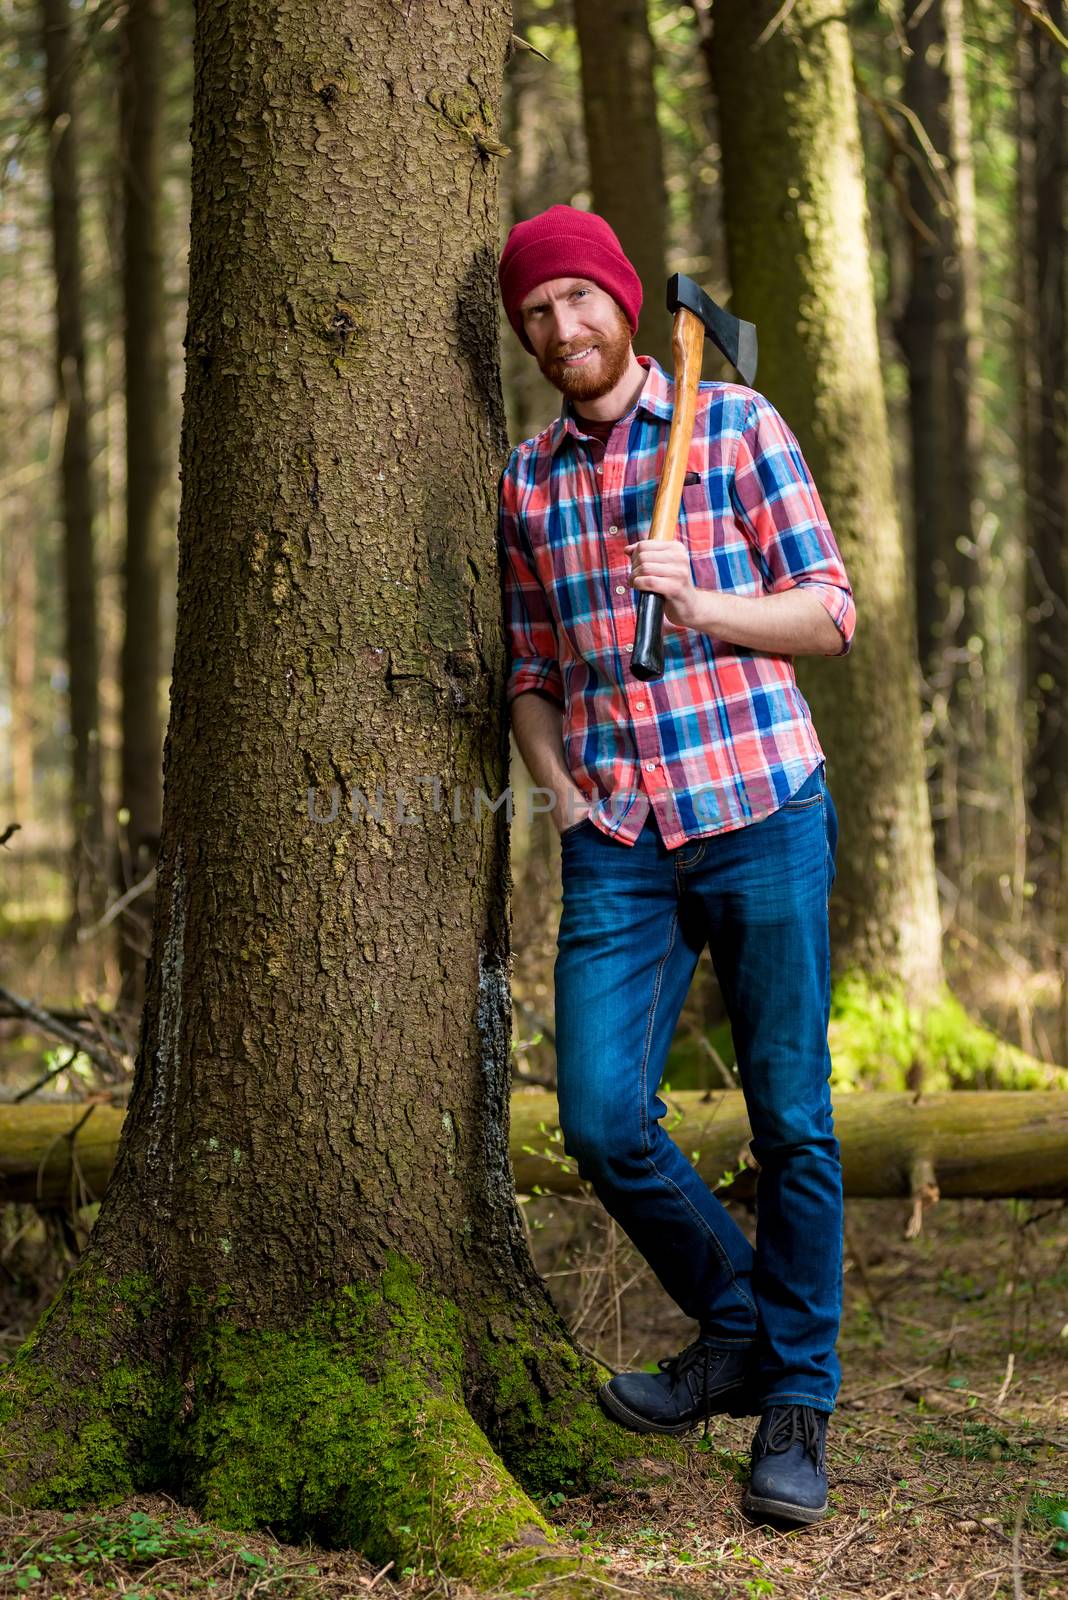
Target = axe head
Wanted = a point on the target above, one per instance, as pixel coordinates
(736, 339)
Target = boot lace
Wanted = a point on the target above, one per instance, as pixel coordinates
(791, 1423)
(696, 1355)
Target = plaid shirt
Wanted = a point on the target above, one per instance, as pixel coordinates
(725, 736)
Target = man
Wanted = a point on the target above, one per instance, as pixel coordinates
(691, 808)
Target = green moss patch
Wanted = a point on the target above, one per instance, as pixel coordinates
(878, 1041)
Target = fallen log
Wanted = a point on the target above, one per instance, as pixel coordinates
(58, 1153)
(993, 1144)
(989, 1145)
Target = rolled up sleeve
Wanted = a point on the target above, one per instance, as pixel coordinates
(529, 630)
(777, 503)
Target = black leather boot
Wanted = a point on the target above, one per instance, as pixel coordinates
(789, 1471)
(697, 1383)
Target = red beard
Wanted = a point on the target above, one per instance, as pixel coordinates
(597, 376)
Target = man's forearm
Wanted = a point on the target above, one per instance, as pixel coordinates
(792, 623)
(538, 726)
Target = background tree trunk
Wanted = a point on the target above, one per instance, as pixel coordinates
(623, 140)
(797, 233)
(309, 1288)
(940, 334)
(1042, 152)
(543, 130)
(87, 811)
(141, 793)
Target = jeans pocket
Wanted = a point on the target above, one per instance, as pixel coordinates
(574, 828)
(810, 793)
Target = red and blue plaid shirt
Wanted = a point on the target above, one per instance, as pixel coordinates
(725, 736)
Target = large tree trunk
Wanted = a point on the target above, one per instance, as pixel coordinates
(623, 140)
(308, 1299)
(797, 234)
(141, 794)
(1042, 155)
(87, 813)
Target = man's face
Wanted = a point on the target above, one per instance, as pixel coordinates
(579, 334)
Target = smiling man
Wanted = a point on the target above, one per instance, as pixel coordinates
(692, 809)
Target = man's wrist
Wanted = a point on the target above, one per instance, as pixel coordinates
(701, 612)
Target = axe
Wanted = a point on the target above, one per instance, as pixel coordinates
(696, 314)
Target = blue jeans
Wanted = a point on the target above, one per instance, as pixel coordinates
(634, 921)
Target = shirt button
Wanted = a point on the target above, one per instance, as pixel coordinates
(639, 705)
(621, 588)
(650, 766)
(613, 529)
(600, 469)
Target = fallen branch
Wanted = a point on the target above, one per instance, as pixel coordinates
(47, 1022)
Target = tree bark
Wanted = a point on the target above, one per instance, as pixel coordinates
(87, 810)
(797, 230)
(141, 794)
(308, 1300)
(986, 1145)
(623, 140)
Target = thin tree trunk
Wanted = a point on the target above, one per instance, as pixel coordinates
(87, 813)
(623, 140)
(18, 568)
(20, 592)
(309, 1287)
(1042, 153)
(940, 335)
(542, 128)
(141, 795)
(797, 233)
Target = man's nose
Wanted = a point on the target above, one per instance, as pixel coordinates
(566, 325)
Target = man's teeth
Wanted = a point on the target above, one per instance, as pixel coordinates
(581, 356)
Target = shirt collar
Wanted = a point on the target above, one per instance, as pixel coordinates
(657, 399)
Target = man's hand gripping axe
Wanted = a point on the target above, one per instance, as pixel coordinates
(695, 315)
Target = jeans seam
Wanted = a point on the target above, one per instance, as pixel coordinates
(803, 805)
(649, 1032)
(796, 1398)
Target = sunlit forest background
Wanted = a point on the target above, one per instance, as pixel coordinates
(933, 139)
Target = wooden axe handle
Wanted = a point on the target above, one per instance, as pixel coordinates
(688, 343)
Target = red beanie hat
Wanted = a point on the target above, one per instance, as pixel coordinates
(565, 243)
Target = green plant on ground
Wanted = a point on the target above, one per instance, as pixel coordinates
(89, 1543)
(1049, 1513)
(971, 1441)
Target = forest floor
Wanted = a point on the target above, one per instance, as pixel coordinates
(948, 1453)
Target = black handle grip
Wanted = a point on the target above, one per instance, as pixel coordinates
(647, 657)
